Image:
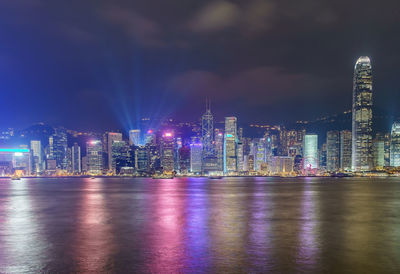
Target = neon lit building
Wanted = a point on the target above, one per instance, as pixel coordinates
(94, 154)
(111, 138)
(76, 159)
(15, 159)
(362, 115)
(119, 155)
(395, 145)
(196, 158)
(219, 149)
(36, 149)
(207, 132)
(230, 141)
(310, 158)
(168, 152)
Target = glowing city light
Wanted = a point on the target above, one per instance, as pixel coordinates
(17, 150)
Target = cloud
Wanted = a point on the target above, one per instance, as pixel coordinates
(215, 16)
(259, 85)
(251, 16)
(143, 30)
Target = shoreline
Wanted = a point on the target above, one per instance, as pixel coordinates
(205, 177)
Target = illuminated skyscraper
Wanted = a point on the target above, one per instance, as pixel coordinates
(134, 137)
(58, 143)
(111, 138)
(207, 131)
(219, 149)
(230, 141)
(76, 159)
(362, 115)
(168, 152)
(149, 137)
(196, 158)
(36, 149)
(378, 151)
(395, 145)
(94, 154)
(345, 150)
(332, 150)
(120, 155)
(240, 157)
(310, 160)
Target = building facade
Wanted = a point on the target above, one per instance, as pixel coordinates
(362, 115)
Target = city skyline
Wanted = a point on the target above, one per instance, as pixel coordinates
(207, 148)
(122, 61)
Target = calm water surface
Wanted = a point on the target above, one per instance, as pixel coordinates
(184, 225)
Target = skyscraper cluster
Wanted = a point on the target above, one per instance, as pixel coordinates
(212, 147)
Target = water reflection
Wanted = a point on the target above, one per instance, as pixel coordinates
(94, 237)
(23, 246)
(260, 233)
(308, 249)
(197, 241)
(228, 225)
(197, 225)
(166, 236)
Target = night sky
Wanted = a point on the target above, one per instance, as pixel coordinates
(103, 64)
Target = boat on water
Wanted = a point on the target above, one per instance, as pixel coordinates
(92, 177)
(14, 177)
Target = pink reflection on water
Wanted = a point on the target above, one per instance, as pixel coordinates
(94, 240)
(167, 246)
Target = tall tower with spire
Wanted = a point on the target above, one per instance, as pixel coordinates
(207, 131)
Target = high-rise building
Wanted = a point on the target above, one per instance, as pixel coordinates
(310, 159)
(119, 155)
(94, 154)
(134, 137)
(76, 159)
(378, 152)
(111, 138)
(196, 158)
(36, 149)
(207, 132)
(142, 159)
(386, 138)
(58, 143)
(230, 141)
(345, 150)
(149, 137)
(219, 149)
(362, 115)
(240, 157)
(184, 159)
(332, 150)
(259, 150)
(395, 145)
(168, 152)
